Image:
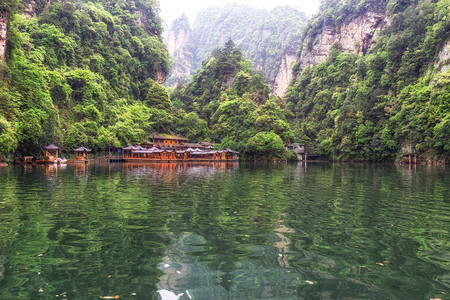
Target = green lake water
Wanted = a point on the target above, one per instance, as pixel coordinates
(225, 231)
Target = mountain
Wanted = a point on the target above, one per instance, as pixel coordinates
(79, 73)
(269, 39)
(372, 78)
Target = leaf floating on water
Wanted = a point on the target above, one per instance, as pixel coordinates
(309, 282)
(110, 297)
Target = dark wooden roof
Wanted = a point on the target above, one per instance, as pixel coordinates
(130, 147)
(51, 147)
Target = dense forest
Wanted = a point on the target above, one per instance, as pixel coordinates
(352, 107)
(228, 101)
(79, 73)
(84, 73)
(90, 73)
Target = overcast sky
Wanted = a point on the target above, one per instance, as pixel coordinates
(172, 9)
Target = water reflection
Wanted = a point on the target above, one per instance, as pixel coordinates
(224, 231)
(172, 170)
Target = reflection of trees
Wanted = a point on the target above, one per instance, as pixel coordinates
(233, 219)
(358, 230)
(73, 232)
(224, 231)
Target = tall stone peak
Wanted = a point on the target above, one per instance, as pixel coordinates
(177, 39)
(268, 38)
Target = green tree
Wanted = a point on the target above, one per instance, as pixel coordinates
(157, 96)
(265, 145)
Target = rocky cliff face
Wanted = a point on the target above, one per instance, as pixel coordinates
(3, 27)
(284, 76)
(177, 41)
(29, 8)
(443, 60)
(268, 39)
(355, 36)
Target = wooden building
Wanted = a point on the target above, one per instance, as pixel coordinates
(82, 153)
(140, 154)
(174, 148)
(167, 140)
(51, 150)
(300, 149)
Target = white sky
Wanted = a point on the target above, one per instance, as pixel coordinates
(172, 9)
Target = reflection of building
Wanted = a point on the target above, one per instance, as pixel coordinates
(174, 149)
(180, 171)
(300, 149)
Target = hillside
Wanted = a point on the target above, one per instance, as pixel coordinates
(228, 102)
(371, 78)
(79, 73)
(268, 39)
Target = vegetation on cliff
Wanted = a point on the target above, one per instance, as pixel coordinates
(79, 73)
(352, 107)
(264, 37)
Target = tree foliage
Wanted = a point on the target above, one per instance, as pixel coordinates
(369, 107)
(74, 69)
(235, 104)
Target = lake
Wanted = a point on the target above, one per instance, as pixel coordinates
(225, 231)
